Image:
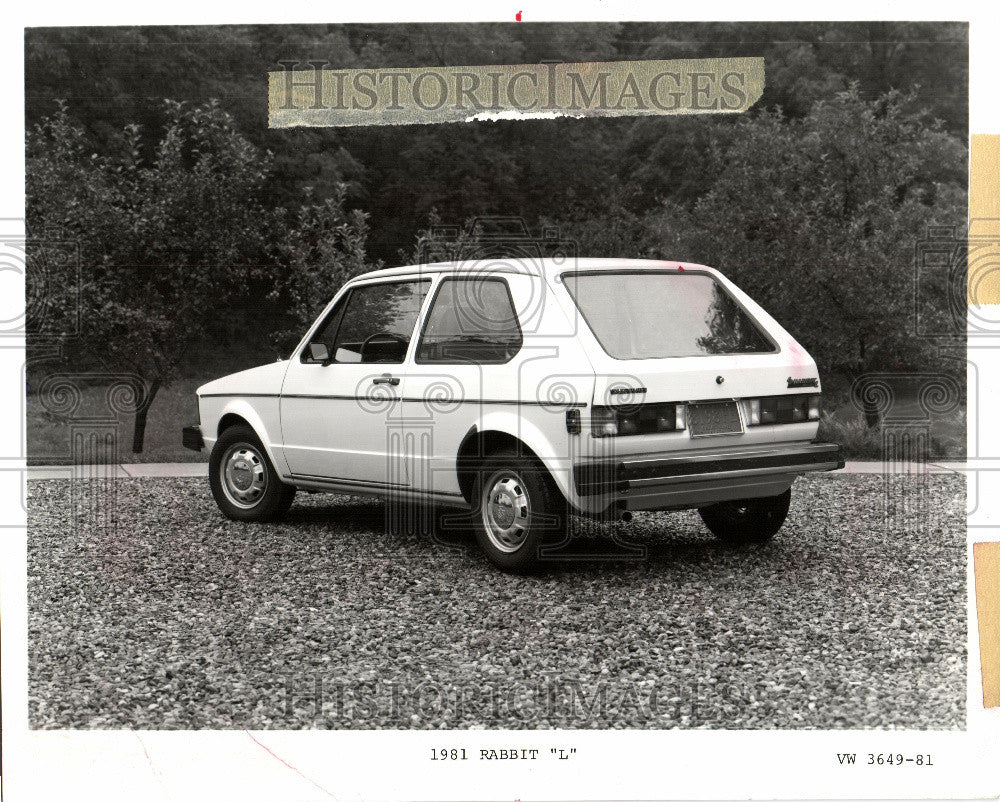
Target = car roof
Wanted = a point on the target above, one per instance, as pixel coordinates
(547, 267)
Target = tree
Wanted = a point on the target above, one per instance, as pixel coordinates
(325, 247)
(170, 243)
(818, 219)
(530, 168)
(164, 243)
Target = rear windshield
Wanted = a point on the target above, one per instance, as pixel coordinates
(647, 315)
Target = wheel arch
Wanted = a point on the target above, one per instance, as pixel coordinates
(231, 419)
(239, 412)
(478, 443)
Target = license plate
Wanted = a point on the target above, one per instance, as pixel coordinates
(715, 418)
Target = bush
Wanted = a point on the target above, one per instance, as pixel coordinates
(854, 436)
(859, 441)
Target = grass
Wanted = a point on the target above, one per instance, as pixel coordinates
(49, 434)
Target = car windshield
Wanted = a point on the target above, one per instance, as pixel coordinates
(647, 315)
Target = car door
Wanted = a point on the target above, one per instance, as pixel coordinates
(340, 401)
(462, 366)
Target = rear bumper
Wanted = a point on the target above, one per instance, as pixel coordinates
(191, 438)
(684, 480)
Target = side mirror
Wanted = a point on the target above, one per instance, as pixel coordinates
(318, 352)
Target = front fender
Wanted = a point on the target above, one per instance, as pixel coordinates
(263, 416)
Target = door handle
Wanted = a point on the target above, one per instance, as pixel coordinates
(385, 378)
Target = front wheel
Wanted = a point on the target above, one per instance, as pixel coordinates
(243, 480)
(753, 520)
(517, 509)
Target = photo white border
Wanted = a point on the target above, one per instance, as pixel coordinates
(347, 765)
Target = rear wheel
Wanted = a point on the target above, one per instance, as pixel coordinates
(753, 520)
(516, 510)
(243, 480)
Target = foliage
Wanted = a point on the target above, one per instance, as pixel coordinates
(160, 241)
(325, 247)
(859, 441)
(169, 242)
(818, 219)
(195, 222)
(617, 231)
(554, 168)
(856, 438)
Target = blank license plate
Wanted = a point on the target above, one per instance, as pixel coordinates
(714, 418)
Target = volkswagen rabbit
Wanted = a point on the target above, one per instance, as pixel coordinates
(525, 391)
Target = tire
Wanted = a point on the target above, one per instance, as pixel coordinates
(755, 520)
(250, 490)
(516, 509)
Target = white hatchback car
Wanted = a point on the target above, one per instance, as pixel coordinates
(523, 390)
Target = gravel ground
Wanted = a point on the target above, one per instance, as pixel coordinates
(178, 618)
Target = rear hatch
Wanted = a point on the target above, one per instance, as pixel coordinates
(685, 343)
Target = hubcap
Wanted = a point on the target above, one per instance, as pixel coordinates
(243, 475)
(506, 510)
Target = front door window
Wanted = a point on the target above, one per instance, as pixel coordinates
(373, 324)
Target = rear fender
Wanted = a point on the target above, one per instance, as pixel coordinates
(546, 437)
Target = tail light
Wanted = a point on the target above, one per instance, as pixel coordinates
(645, 419)
(782, 409)
(603, 422)
(672, 417)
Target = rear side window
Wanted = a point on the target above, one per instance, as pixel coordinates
(471, 320)
(653, 315)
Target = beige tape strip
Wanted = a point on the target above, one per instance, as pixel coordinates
(984, 216)
(304, 95)
(986, 558)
